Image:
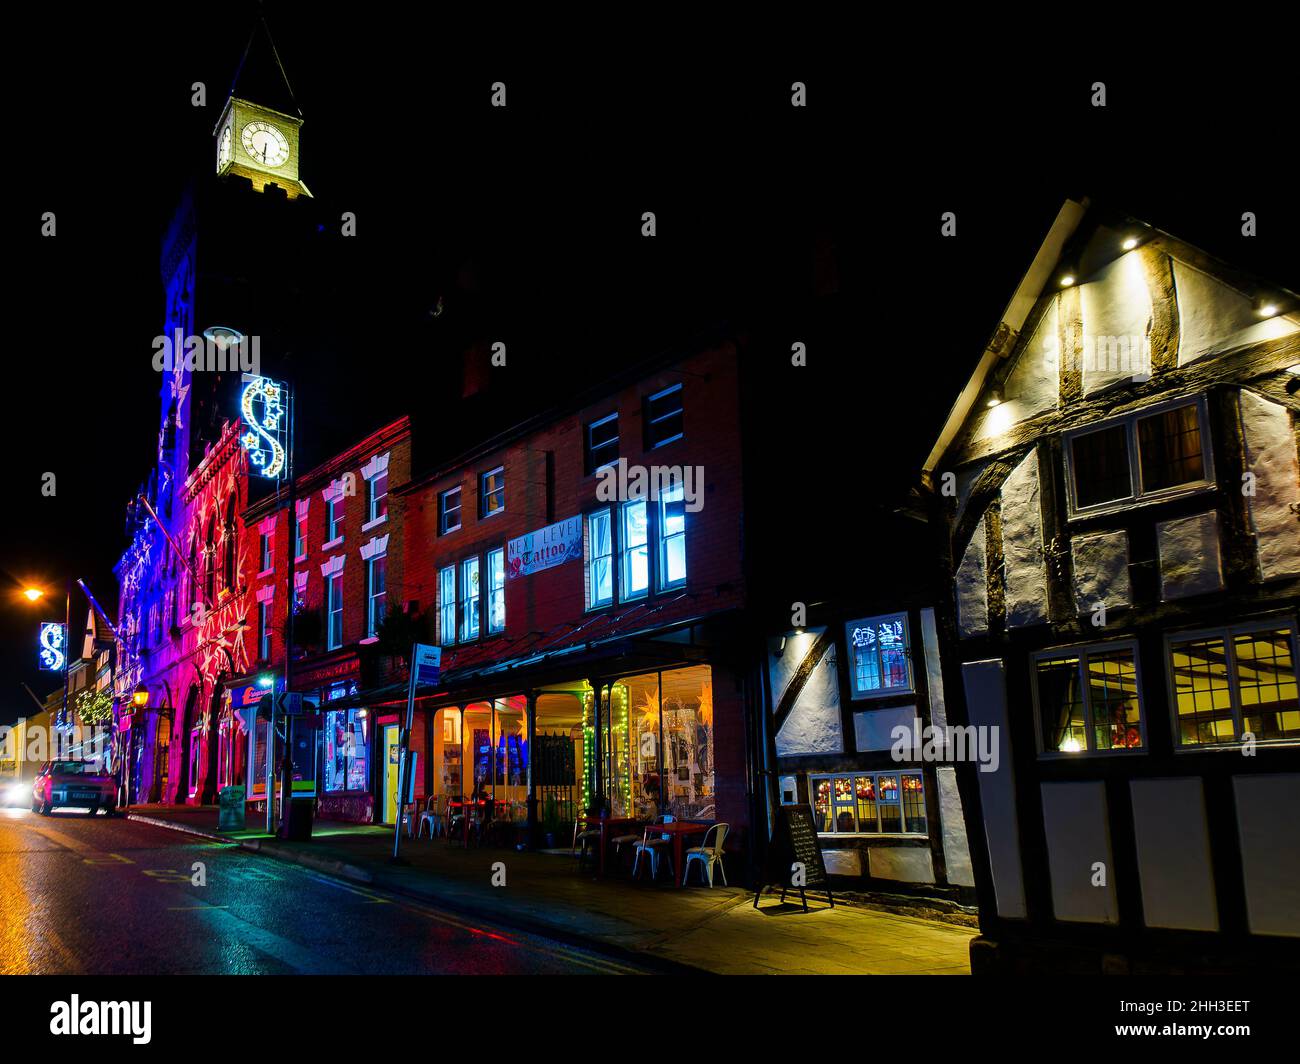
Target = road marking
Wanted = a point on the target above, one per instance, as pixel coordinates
(108, 859)
(188, 908)
(371, 898)
(60, 839)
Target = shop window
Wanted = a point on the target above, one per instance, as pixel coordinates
(447, 604)
(1233, 681)
(492, 492)
(377, 593)
(600, 559)
(880, 655)
(334, 611)
(449, 511)
(496, 604)
(347, 740)
(1148, 455)
(663, 417)
(469, 606)
(877, 803)
(601, 443)
(1087, 700)
(634, 553)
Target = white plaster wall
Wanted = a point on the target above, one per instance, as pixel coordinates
(986, 702)
(966, 480)
(1189, 556)
(1022, 545)
(1269, 830)
(933, 669)
(1173, 852)
(1033, 384)
(843, 862)
(1213, 318)
(1078, 837)
(787, 788)
(1101, 570)
(1116, 304)
(973, 587)
(907, 864)
(956, 847)
(872, 728)
(813, 726)
(781, 664)
(1271, 456)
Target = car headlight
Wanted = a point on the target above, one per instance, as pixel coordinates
(17, 792)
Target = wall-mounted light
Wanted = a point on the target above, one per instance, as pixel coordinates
(1067, 279)
(995, 398)
(1130, 243)
(1266, 309)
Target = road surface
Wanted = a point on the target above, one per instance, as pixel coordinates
(99, 896)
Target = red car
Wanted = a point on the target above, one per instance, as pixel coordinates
(77, 784)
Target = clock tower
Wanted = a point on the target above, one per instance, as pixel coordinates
(258, 133)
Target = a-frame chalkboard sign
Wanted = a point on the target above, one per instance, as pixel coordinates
(795, 843)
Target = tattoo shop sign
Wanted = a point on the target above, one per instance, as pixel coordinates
(553, 545)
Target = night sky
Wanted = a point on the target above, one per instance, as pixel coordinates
(539, 207)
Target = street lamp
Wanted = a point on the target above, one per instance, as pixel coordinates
(139, 703)
(140, 696)
(33, 593)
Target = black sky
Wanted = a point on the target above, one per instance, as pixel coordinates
(545, 199)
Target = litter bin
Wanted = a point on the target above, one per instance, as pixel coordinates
(230, 816)
(298, 826)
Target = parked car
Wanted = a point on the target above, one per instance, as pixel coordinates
(76, 784)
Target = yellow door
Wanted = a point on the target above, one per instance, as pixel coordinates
(393, 749)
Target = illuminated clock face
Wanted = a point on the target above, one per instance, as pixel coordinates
(223, 147)
(266, 144)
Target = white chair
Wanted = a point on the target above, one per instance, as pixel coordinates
(435, 810)
(583, 838)
(408, 818)
(708, 855)
(650, 846)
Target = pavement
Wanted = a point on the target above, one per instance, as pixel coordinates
(692, 929)
(86, 895)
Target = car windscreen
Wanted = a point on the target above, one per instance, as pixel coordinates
(75, 768)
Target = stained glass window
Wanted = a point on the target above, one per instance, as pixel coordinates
(879, 655)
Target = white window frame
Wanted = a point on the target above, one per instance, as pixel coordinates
(373, 498)
(447, 632)
(883, 692)
(493, 590)
(300, 538)
(589, 456)
(266, 552)
(611, 559)
(444, 528)
(661, 550)
(624, 552)
(372, 624)
(334, 514)
(1081, 651)
(330, 610)
(898, 770)
(1138, 497)
(681, 409)
(470, 606)
(264, 629)
(483, 492)
(1228, 633)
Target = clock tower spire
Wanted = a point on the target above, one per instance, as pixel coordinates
(258, 133)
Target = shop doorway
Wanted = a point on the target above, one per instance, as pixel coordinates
(392, 748)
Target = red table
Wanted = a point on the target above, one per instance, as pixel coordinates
(678, 830)
(456, 804)
(605, 823)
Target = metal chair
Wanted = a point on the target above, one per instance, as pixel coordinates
(583, 839)
(708, 855)
(435, 810)
(652, 847)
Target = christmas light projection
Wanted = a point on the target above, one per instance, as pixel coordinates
(54, 640)
(264, 406)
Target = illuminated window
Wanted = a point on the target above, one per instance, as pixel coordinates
(377, 593)
(1152, 454)
(334, 519)
(496, 604)
(449, 511)
(346, 741)
(447, 604)
(600, 559)
(469, 605)
(334, 611)
(266, 551)
(601, 443)
(663, 417)
(492, 492)
(1087, 700)
(264, 630)
(672, 537)
(1232, 681)
(634, 551)
(876, 803)
(300, 538)
(880, 656)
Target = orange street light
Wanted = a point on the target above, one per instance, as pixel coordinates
(140, 696)
(33, 593)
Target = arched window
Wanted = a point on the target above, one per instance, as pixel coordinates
(228, 545)
(191, 576)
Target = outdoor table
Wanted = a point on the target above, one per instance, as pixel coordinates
(679, 829)
(459, 805)
(605, 823)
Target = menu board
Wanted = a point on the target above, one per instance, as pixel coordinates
(795, 843)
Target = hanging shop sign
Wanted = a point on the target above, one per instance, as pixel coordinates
(264, 407)
(54, 646)
(553, 545)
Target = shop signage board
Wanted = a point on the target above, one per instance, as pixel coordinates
(553, 545)
(425, 664)
(795, 856)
